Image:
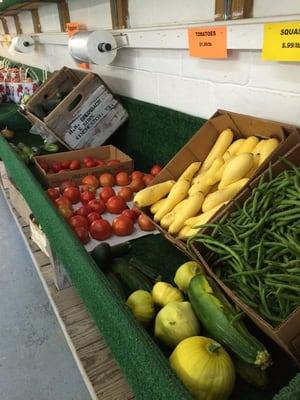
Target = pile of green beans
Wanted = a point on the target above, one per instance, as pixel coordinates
(255, 250)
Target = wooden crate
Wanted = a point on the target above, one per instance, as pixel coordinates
(86, 117)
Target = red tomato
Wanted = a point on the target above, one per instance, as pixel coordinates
(145, 223)
(107, 179)
(155, 170)
(97, 205)
(126, 192)
(137, 184)
(90, 180)
(78, 220)
(66, 164)
(67, 183)
(91, 164)
(101, 229)
(83, 210)
(122, 179)
(63, 201)
(147, 179)
(87, 159)
(72, 194)
(129, 214)
(112, 163)
(75, 164)
(106, 193)
(88, 188)
(101, 163)
(56, 167)
(136, 211)
(44, 165)
(137, 174)
(65, 211)
(122, 226)
(115, 204)
(93, 216)
(85, 197)
(83, 234)
(53, 193)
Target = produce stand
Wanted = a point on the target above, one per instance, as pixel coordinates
(144, 364)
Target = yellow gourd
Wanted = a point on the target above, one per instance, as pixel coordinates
(185, 273)
(268, 147)
(210, 172)
(183, 232)
(190, 171)
(258, 147)
(233, 148)
(156, 206)
(236, 168)
(222, 195)
(200, 186)
(151, 194)
(192, 207)
(256, 158)
(204, 367)
(221, 145)
(167, 220)
(178, 192)
(204, 217)
(175, 322)
(163, 293)
(248, 145)
(141, 304)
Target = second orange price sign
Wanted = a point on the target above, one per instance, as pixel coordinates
(208, 42)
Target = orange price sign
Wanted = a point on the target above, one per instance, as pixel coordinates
(210, 42)
(73, 27)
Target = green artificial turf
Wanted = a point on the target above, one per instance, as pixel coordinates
(8, 3)
(152, 134)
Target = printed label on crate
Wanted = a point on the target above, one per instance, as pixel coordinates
(281, 42)
(208, 42)
(88, 126)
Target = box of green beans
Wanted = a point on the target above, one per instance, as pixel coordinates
(253, 251)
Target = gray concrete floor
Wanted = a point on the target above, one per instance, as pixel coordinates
(35, 361)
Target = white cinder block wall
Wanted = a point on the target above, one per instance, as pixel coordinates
(171, 78)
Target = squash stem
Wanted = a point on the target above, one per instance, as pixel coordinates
(212, 347)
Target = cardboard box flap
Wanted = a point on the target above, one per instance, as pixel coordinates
(256, 126)
(289, 331)
(224, 121)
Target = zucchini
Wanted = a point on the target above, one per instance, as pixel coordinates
(129, 276)
(104, 254)
(223, 324)
(116, 285)
(145, 269)
(50, 147)
(250, 373)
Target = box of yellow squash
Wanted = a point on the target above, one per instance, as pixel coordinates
(257, 263)
(226, 153)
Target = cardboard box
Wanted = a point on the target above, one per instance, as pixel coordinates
(85, 117)
(200, 144)
(287, 334)
(18, 202)
(102, 153)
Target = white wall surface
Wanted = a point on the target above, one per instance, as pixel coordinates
(171, 78)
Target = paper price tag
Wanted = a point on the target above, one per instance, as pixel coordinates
(208, 42)
(281, 42)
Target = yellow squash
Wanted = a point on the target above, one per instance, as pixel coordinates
(141, 304)
(269, 146)
(178, 192)
(258, 147)
(163, 293)
(204, 217)
(248, 145)
(190, 171)
(185, 273)
(236, 168)
(222, 195)
(183, 232)
(204, 367)
(175, 322)
(167, 219)
(210, 172)
(221, 145)
(233, 148)
(192, 207)
(152, 194)
(156, 206)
